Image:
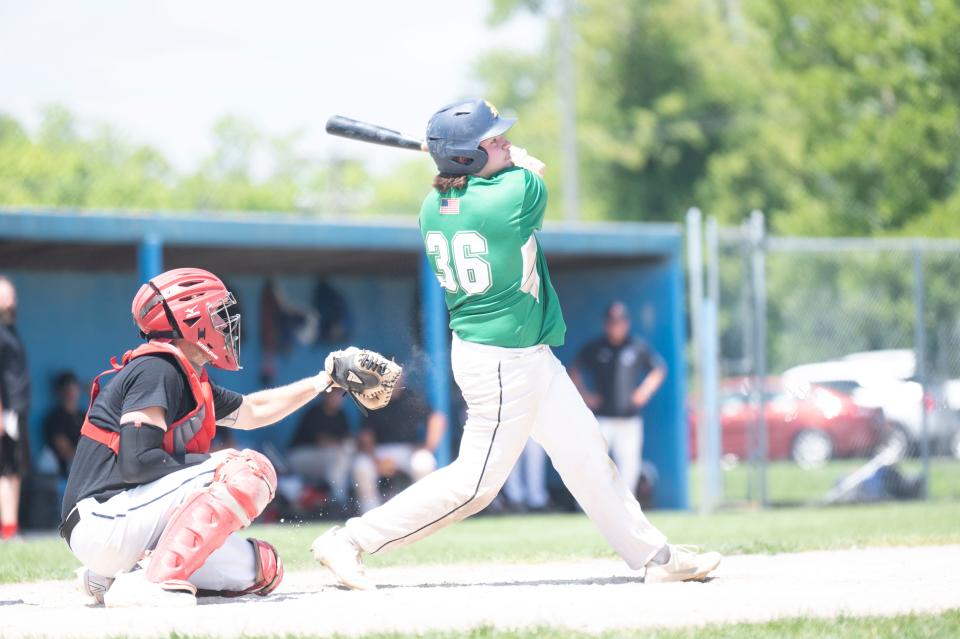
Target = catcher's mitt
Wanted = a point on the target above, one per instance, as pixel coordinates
(367, 376)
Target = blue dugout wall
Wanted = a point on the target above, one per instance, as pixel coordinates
(77, 317)
(78, 321)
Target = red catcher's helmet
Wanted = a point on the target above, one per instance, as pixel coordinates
(194, 305)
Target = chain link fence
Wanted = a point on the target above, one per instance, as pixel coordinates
(828, 369)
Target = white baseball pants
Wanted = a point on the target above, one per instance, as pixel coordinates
(111, 537)
(624, 437)
(513, 394)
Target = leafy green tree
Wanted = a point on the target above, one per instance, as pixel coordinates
(871, 92)
(62, 167)
(402, 190)
(661, 88)
(835, 118)
(68, 163)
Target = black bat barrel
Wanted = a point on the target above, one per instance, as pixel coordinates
(366, 132)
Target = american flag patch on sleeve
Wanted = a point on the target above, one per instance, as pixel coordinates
(449, 205)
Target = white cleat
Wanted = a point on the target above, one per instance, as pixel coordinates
(686, 564)
(335, 551)
(133, 590)
(92, 584)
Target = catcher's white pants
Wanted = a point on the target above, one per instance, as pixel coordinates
(624, 437)
(111, 537)
(513, 394)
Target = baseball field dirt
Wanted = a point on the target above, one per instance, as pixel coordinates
(593, 595)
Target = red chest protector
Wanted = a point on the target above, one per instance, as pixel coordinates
(191, 434)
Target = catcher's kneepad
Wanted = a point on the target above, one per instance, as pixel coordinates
(249, 478)
(243, 484)
(367, 376)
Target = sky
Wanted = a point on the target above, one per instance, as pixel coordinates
(162, 72)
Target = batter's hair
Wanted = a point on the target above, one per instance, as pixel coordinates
(443, 183)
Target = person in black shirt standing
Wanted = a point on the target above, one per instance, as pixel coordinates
(392, 440)
(321, 449)
(61, 427)
(624, 374)
(142, 478)
(14, 406)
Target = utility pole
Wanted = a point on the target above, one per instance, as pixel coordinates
(568, 115)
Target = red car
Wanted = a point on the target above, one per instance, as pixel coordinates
(807, 423)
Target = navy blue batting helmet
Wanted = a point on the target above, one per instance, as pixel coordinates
(454, 134)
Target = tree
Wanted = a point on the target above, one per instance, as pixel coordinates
(69, 163)
(402, 190)
(62, 166)
(662, 87)
(872, 89)
(834, 118)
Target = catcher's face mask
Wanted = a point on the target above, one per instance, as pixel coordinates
(227, 326)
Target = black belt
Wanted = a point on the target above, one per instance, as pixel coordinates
(66, 528)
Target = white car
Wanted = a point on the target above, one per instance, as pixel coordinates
(884, 379)
(941, 402)
(951, 394)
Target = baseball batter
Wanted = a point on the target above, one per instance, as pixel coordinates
(143, 479)
(478, 225)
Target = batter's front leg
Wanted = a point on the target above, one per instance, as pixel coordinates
(501, 407)
(445, 496)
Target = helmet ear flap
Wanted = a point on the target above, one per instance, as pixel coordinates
(479, 161)
(448, 156)
(476, 160)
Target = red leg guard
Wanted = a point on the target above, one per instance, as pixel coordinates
(242, 487)
(269, 568)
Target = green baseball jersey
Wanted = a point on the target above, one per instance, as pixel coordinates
(483, 249)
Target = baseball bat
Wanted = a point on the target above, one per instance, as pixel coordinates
(373, 133)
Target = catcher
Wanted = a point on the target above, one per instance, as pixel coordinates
(149, 513)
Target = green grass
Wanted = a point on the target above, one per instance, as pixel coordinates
(912, 626)
(559, 537)
(791, 484)
(573, 536)
(900, 627)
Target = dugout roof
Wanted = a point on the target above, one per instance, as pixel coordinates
(281, 243)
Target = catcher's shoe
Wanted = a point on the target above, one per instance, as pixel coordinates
(686, 564)
(92, 584)
(335, 551)
(133, 590)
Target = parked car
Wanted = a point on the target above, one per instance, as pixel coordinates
(885, 379)
(805, 422)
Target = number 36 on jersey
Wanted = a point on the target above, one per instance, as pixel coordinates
(460, 263)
